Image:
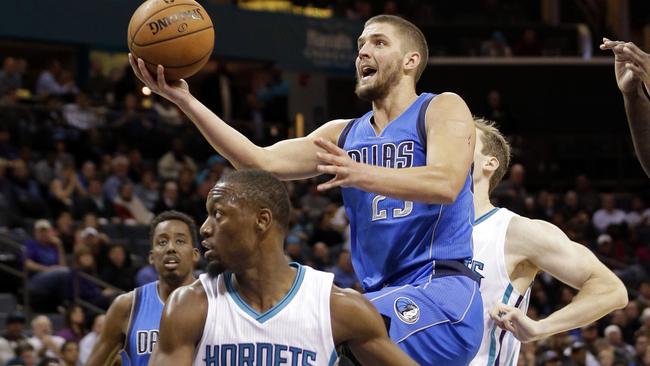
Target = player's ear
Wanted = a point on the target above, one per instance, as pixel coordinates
(412, 60)
(264, 220)
(151, 257)
(491, 164)
(196, 256)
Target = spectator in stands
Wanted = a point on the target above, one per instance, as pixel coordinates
(10, 79)
(344, 276)
(70, 353)
(65, 188)
(80, 114)
(131, 123)
(87, 173)
(43, 340)
(7, 149)
(638, 214)
(45, 168)
(118, 270)
(614, 336)
(6, 352)
(511, 193)
(608, 214)
(147, 190)
(88, 342)
(75, 323)
(79, 285)
(65, 231)
(45, 261)
(215, 90)
(15, 329)
(640, 345)
(119, 176)
(170, 164)
(587, 197)
(169, 197)
(94, 202)
(25, 193)
(496, 46)
(97, 84)
(129, 209)
(53, 81)
(25, 356)
(145, 275)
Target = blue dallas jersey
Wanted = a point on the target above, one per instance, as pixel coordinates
(397, 242)
(144, 323)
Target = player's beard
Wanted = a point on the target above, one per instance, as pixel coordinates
(380, 87)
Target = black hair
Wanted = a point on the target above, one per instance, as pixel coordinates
(173, 215)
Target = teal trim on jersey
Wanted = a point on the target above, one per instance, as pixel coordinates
(486, 216)
(333, 357)
(300, 276)
(493, 339)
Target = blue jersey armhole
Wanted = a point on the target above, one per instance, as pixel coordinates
(137, 299)
(422, 121)
(345, 132)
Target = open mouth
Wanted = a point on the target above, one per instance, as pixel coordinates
(367, 72)
(171, 263)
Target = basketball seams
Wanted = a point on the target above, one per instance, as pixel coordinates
(181, 66)
(133, 43)
(152, 15)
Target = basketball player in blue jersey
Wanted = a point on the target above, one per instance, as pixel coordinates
(132, 321)
(510, 250)
(404, 169)
(253, 307)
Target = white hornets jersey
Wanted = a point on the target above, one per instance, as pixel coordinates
(498, 347)
(295, 331)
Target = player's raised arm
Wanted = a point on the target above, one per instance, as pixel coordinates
(356, 321)
(111, 339)
(288, 159)
(450, 149)
(632, 67)
(181, 326)
(549, 249)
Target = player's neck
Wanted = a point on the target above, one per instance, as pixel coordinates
(166, 287)
(264, 285)
(393, 105)
(482, 204)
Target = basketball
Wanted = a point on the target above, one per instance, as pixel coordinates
(177, 34)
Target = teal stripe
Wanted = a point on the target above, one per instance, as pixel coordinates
(300, 275)
(493, 338)
(333, 357)
(486, 216)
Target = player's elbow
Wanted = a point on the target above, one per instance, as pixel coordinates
(619, 296)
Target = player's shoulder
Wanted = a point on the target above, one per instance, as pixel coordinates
(353, 316)
(124, 302)
(331, 130)
(530, 236)
(447, 99)
(188, 296)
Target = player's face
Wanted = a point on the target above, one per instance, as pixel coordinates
(379, 62)
(229, 230)
(173, 253)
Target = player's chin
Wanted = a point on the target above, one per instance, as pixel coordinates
(215, 268)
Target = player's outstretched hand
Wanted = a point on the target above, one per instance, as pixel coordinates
(346, 171)
(632, 65)
(515, 321)
(174, 91)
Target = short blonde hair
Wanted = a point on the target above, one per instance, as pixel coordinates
(494, 144)
(411, 36)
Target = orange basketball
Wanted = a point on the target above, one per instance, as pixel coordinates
(177, 34)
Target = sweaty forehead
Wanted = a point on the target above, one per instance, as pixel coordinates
(222, 193)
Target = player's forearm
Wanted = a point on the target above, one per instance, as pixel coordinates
(422, 184)
(599, 296)
(231, 144)
(637, 108)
